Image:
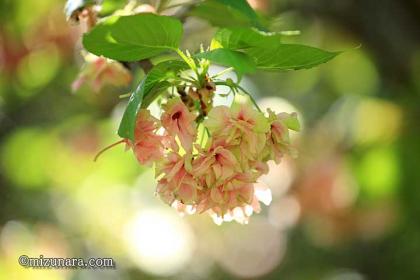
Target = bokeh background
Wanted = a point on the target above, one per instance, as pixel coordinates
(347, 208)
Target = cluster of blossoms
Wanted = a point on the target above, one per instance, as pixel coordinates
(219, 176)
(98, 72)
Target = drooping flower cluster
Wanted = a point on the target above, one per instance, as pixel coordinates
(219, 176)
(99, 71)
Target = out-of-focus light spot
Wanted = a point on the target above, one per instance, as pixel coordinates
(263, 195)
(284, 213)
(27, 13)
(50, 241)
(321, 231)
(345, 275)
(278, 178)
(24, 156)
(253, 250)
(344, 190)
(38, 68)
(340, 117)
(64, 209)
(159, 241)
(200, 267)
(376, 121)
(115, 166)
(101, 223)
(377, 221)
(99, 274)
(353, 73)
(279, 105)
(222, 90)
(16, 239)
(378, 172)
(316, 185)
(299, 82)
(145, 188)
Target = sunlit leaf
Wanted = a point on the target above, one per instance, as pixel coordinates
(132, 38)
(243, 7)
(153, 84)
(99, 41)
(292, 122)
(227, 13)
(268, 51)
(110, 6)
(239, 61)
(289, 56)
(151, 32)
(238, 38)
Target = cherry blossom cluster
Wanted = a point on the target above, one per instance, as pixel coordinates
(98, 72)
(218, 175)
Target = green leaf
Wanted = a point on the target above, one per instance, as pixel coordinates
(228, 13)
(241, 62)
(72, 6)
(238, 38)
(133, 38)
(100, 42)
(289, 56)
(267, 50)
(158, 77)
(151, 32)
(292, 122)
(110, 6)
(243, 7)
(149, 88)
(128, 122)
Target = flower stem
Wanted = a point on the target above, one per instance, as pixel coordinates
(236, 86)
(161, 5)
(107, 148)
(227, 70)
(250, 97)
(125, 95)
(187, 60)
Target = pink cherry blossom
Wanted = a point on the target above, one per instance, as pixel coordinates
(99, 71)
(278, 140)
(179, 121)
(221, 175)
(177, 183)
(242, 126)
(147, 146)
(216, 164)
(234, 210)
(235, 192)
